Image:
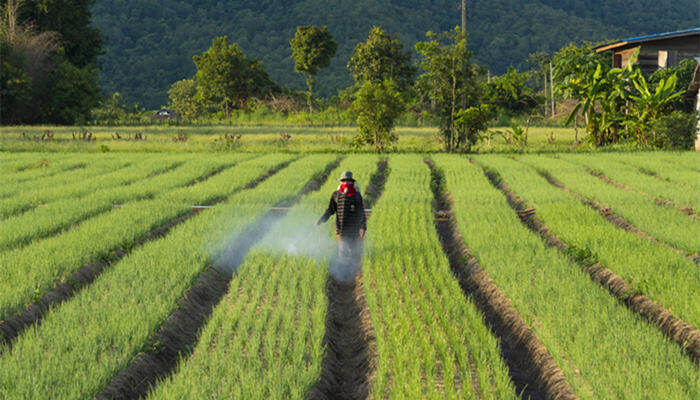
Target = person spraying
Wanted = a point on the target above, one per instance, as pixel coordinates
(350, 225)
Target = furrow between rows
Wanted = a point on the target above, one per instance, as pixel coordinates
(349, 362)
(613, 218)
(11, 327)
(681, 332)
(179, 333)
(533, 370)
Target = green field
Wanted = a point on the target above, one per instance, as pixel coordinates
(256, 138)
(114, 285)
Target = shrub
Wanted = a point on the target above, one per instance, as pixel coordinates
(675, 131)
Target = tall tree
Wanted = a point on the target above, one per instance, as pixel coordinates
(448, 78)
(382, 57)
(43, 78)
(312, 49)
(226, 78)
(377, 106)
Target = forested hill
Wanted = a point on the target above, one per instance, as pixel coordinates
(150, 43)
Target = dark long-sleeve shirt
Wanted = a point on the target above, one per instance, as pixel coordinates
(350, 214)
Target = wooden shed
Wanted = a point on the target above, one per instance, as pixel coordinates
(657, 51)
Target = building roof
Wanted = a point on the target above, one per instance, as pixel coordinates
(648, 38)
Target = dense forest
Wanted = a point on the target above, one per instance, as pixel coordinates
(149, 44)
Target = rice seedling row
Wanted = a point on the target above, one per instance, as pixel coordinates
(82, 344)
(661, 223)
(30, 271)
(63, 214)
(77, 170)
(627, 178)
(180, 331)
(26, 200)
(431, 341)
(669, 172)
(265, 338)
(532, 369)
(594, 339)
(650, 269)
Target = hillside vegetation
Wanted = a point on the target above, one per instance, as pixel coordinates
(150, 44)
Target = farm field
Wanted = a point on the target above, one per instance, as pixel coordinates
(201, 275)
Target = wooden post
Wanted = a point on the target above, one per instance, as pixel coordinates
(464, 16)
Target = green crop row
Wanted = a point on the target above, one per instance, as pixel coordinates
(604, 350)
(264, 340)
(638, 180)
(82, 344)
(57, 215)
(70, 171)
(664, 223)
(652, 269)
(431, 340)
(33, 269)
(26, 200)
(667, 170)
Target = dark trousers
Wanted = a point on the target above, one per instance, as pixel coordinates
(349, 261)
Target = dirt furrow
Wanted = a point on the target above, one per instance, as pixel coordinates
(684, 334)
(348, 364)
(613, 218)
(11, 327)
(662, 202)
(176, 338)
(532, 368)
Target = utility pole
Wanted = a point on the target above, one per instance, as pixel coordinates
(464, 32)
(545, 94)
(551, 86)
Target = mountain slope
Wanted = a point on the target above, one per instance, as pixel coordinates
(150, 43)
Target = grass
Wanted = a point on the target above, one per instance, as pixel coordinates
(34, 268)
(265, 338)
(652, 269)
(431, 340)
(605, 351)
(664, 223)
(639, 181)
(256, 139)
(83, 343)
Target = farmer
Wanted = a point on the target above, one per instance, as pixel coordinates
(350, 226)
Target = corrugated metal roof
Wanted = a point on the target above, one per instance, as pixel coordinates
(647, 38)
(661, 35)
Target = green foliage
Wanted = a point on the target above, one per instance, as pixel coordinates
(471, 123)
(183, 99)
(226, 78)
(510, 92)
(675, 131)
(618, 103)
(312, 49)
(382, 57)
(684, 72)
(377, 105)
(49, 70)
(448, 79)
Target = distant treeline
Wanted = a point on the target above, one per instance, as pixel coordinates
(150, 44)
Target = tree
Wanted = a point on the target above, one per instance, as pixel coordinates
(312, 49)
(382, 57)
(226, 78)
(471, 123)
(377, 106)
(183, 99)
(42, 81)
(72, 21)
(448, 78)
(510, 92)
